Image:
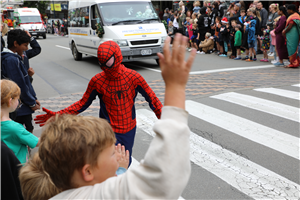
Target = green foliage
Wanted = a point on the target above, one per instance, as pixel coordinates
(40, 5)
(99, 30)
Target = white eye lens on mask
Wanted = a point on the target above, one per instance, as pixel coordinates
(108, 63)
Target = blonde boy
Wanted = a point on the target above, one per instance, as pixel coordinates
(78, 151)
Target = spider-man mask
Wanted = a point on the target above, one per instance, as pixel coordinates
(109, 57)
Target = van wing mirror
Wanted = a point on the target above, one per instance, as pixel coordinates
(94, 22)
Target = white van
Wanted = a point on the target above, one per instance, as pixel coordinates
(133, 24)
(30, 19)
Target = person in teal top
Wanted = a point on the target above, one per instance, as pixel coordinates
(238, 41)
(13, 134)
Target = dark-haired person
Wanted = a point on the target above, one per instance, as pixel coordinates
(13, 68)
(10, 166)
(292, 31)
(280, 39)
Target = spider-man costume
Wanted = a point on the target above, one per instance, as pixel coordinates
(116, 86)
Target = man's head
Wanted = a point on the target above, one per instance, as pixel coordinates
(17, 41)
(109, 57)
(74, 149)
(259, 5)
(207, 35)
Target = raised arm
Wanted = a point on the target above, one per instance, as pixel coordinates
(77, 107)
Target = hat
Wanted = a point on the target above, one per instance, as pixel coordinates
(224, 20)
(239, 5)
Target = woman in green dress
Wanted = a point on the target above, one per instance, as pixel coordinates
(292, 31)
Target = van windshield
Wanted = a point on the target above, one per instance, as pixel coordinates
(127, 13)
(29, 19)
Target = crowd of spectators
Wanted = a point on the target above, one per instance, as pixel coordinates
(240, 29)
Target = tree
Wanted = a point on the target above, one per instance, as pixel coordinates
(40, 5)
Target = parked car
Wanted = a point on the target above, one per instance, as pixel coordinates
(49, 25)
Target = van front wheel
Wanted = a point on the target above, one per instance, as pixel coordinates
(77, 56)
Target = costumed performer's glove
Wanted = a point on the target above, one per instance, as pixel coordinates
(42, 119)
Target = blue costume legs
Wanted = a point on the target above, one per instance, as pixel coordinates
(127, 140)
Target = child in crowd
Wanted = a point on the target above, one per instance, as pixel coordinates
(242, 18)
(194, 36)
(217, 34)
(194, 17)
(170, 30)
(13, 134)
(190, 33)
(265, 44)
(238, 41)
(232, 36)
(224, 32)
(14, 67)
(196, 8)
(250, 28)
(186, 24)
(91, 173)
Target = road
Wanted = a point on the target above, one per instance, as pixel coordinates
(244, 119)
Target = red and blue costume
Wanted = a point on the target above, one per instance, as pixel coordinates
(116, 87)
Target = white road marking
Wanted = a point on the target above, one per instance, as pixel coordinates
(246, 176)
(297, 85)
(280, 92)
(62, 47)
(274, 139)
(274, 108)
(214, 70)
(231, 69)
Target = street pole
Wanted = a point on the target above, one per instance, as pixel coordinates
(53, 9)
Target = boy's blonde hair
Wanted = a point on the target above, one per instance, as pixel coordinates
(9, 89)
(36, 184)
(197, 3)
(68, 142)
(170, 23)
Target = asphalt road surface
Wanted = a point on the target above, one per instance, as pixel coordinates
(244, 119)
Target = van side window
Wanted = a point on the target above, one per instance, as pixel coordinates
(95, 13)
(72, 18)
(83, 17)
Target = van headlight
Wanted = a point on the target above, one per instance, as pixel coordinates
(121, 43)
(163, 39)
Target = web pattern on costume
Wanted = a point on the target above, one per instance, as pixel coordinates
(116, 88)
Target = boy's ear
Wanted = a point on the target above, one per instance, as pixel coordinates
(15, 44)
(86, 173)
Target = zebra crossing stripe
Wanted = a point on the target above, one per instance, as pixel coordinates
(248, 177)
(280, 92)
(274, 139)
(297, 85)
(271, 107)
